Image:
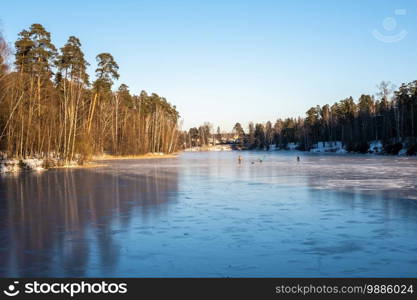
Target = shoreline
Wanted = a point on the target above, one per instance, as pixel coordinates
(212, 148)
(139, 156)
(14, 166)
(87, 165)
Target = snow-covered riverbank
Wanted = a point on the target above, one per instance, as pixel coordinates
(8, 165)
(322, 147)
(14, 165)
(374, 147)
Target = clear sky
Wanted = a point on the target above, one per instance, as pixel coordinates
(228, 61)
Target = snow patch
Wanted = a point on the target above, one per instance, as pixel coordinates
(32, 164)
(335, 146)
(376, 147)
(402, 152)
(292, 146)
(14, 165)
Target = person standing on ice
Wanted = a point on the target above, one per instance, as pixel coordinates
(239, 159)
(298, 158)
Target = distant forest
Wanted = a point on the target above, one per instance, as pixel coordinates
(390, 117)
(50, 108)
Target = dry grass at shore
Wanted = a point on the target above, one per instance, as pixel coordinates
(143, 156)
(84, 166)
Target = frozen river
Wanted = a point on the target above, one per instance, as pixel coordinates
(204, 215)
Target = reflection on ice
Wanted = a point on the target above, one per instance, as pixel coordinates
(203, 214)
(52, 221)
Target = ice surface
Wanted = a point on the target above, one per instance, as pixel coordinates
(204, 214)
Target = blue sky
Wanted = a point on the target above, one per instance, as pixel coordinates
(228, 61)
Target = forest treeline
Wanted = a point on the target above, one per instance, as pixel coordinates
(389, 117)
(49, 107)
